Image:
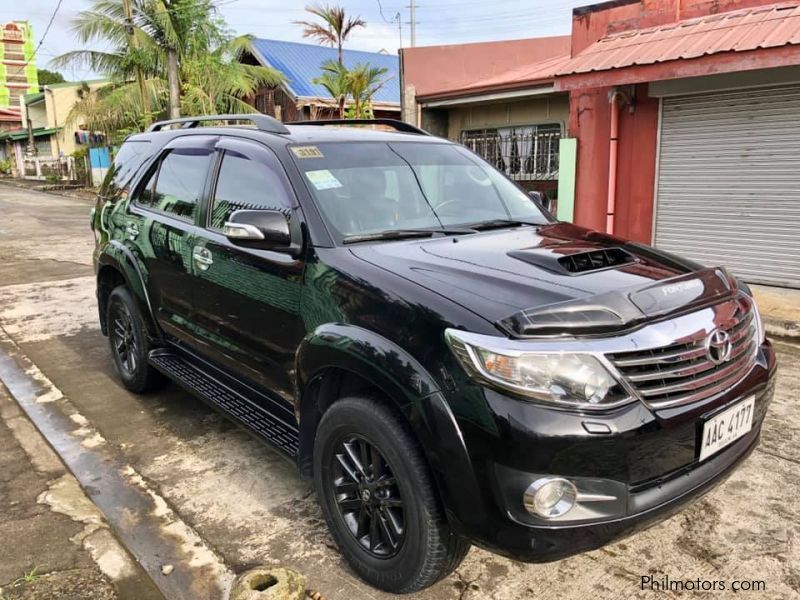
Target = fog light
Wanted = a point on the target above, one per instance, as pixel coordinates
(550, 497)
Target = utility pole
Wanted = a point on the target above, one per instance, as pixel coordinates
(135, 46)
(412, 7)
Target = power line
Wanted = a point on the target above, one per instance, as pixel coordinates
(397, 18)
(44, 35)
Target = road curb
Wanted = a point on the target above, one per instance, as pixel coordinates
(140, 518)
(12, 183)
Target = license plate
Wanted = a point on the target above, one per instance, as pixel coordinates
(727, 427)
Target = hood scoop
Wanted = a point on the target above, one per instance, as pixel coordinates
(574, 261)
(619, 309)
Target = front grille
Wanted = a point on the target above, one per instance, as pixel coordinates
(681, 372)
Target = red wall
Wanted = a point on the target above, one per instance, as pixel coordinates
(590, 119)
(638, 130)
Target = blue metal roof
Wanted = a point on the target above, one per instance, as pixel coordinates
(301, 63)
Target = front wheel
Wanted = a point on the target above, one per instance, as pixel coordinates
(379, 500)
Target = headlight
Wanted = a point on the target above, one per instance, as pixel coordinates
(761, 334)
(574, 379)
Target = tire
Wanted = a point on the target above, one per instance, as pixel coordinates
(426, 549)
(129, 343)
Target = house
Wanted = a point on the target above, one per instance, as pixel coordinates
(47, 138)
(687, 120)
(299, 98)
(497, 98)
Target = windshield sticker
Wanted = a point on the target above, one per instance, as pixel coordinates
(306, 152)
(323, 179)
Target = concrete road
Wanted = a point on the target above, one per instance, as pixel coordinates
(249, 506)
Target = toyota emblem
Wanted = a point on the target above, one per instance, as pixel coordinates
(718, 346)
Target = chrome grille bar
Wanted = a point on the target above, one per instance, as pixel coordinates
(681, 372)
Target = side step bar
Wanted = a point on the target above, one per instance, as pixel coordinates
(224, 395)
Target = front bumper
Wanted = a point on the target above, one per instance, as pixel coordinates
(648, 458)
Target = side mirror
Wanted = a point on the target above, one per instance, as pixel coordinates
(264, 229)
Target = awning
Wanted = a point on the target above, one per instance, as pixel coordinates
(752, 38)
(33, 98)
(22, 134)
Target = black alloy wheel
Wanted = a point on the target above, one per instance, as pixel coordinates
(129, 343)
(379, 498)
(368, 497)
(123, 340)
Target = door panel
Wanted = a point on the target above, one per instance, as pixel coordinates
(248, 299)
(162, 223)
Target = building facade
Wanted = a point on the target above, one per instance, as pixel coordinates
(686, 115)
(496, 98)
(18, 75)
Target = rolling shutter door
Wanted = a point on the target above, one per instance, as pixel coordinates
(728, 189)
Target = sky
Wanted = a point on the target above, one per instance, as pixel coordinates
(438, 22)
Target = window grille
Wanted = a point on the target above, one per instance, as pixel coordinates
(524, 153)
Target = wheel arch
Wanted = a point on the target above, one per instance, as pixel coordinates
(338, 360)
(118, 266)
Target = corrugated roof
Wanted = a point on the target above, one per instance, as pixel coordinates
(22, 133)
(768, 26)
(300, 63)
(437, 71)
(537, 73)
(34, 98)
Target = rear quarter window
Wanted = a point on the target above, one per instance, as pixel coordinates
(132, 154)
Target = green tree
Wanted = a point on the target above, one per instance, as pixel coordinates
(49, 77)
(333, 28)
(359, 84)
(335, 79)
(364, 82)
(210, 76)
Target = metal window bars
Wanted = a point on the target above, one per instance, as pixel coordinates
(524, 153)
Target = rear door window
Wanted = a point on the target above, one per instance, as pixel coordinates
(179, 182)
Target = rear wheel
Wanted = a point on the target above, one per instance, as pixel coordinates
(129, 343)
(379, 500)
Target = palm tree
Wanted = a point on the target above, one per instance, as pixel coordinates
(167, 34)
(334, 29)
(208, 66)
(335, 79)
(364, 82)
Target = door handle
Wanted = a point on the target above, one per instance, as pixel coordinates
(132, 230)
(202, 257)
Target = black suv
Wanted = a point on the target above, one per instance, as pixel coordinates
(447, 362)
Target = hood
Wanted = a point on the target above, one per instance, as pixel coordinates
(500, 274)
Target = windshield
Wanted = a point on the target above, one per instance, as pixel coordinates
(369, 187)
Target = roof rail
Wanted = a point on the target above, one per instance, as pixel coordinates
(393, 123)
(262, 122)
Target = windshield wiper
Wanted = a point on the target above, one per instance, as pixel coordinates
(499, 224)
(401, 234)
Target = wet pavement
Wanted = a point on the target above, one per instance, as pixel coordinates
(248, 507)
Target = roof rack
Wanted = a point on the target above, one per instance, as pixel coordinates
(262, 122)
(393, 123)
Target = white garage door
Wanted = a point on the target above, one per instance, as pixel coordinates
(728, 190)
